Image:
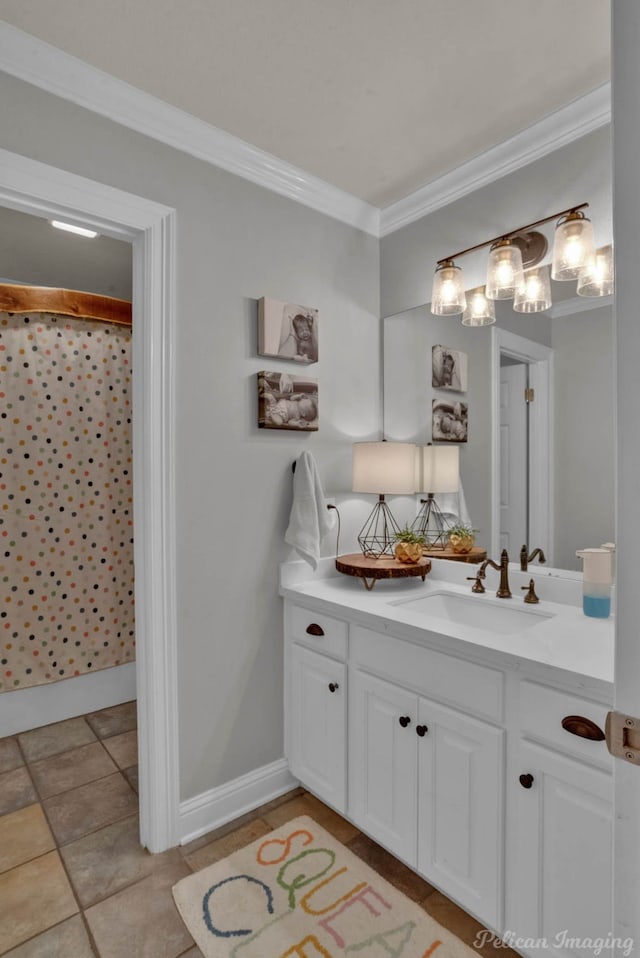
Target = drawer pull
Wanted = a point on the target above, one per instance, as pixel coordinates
(315, 629)
(404, 720)
(333, 686)
(422, 730)
(526, 780)
(584, 727)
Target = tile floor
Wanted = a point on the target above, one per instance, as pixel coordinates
(75, 883)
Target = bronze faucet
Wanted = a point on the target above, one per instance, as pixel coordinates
(525, 558)
(504, 592)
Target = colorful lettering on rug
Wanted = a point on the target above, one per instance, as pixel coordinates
(338, 907)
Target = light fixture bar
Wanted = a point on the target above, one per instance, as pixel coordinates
(511, 233)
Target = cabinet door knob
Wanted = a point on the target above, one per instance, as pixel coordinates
(333, 686)
(422, 730)
(315, 629)
(526, 780)
(584, 727)
(404, 720)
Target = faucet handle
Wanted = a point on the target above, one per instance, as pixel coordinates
(477, 585)
(531, 598)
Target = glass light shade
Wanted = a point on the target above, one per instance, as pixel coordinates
(440, 469)
(384, 467)
(572, 246)
(596, 276)
(447, 296)
(504, 270)
(534, 294)
(479, 310)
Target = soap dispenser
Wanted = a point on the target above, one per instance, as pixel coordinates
(597, 577)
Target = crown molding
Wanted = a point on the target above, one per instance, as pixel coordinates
(36, 62)
(579, 304)
(565, 125)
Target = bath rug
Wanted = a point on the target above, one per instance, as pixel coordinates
(299, 893)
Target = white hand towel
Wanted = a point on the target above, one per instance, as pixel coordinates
(453, 506)
(310, 520)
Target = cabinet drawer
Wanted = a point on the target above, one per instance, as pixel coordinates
(318, 631)
(474, 688)
(542, 711)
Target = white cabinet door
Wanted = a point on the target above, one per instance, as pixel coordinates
(563, 859)
(317, 724)
(383, 763)
(460, 813)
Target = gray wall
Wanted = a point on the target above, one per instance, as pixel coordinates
(584, 426)
(235, 243)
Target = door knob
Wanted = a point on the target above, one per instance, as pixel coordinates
(526, 780)
(404, 720)
(422, 730)
(333, 686)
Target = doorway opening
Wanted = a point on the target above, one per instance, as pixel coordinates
(32, 187)
(522, 442)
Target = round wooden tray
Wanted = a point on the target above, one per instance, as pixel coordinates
(475, 555)
(370, 570)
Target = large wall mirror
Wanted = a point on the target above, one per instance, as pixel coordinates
(539, 472)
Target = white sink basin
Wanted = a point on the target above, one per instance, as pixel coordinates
(475, 611)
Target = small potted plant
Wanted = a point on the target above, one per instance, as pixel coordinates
(461, 537)
(409, 545)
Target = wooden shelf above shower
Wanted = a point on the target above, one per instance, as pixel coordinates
(64, 302)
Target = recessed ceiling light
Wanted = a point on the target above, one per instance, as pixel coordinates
(72, 228)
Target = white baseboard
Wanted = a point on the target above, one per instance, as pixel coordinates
(24, 709)
(214, 808)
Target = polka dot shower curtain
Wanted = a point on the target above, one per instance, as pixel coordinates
(66, 514)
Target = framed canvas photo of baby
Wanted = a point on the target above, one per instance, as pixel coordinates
(287, 331)
(287, 402)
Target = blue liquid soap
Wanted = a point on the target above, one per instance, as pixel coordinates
(597, 606)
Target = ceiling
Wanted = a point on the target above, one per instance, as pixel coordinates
(377, 97)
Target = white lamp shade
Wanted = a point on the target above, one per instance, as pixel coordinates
(440, 469)
(504, 270)
(384, 467)
(572, 246)
(534, 293)
(479, 310)
(596, 276)
(447, 295)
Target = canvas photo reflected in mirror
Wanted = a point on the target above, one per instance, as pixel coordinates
(287, 331)
(287, 402)
(449, 421)
(448, 369)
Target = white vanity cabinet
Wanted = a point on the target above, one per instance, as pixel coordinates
(316, 690)
(426, 779)
(563, 841)
(456, 760)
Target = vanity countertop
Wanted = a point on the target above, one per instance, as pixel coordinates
(575, 649)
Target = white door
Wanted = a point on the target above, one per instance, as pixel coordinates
(383, 763)
(317, 737)
(513, 458)
(563, 852)
(626, 215)
(460, 808)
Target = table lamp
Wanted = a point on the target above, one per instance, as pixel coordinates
(383, 468)
(440, 473)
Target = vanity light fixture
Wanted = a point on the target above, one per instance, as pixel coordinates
(439, 473)
(596, 276)
(510, 273)
(480, 310)
(383, 468)
(533, 295)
